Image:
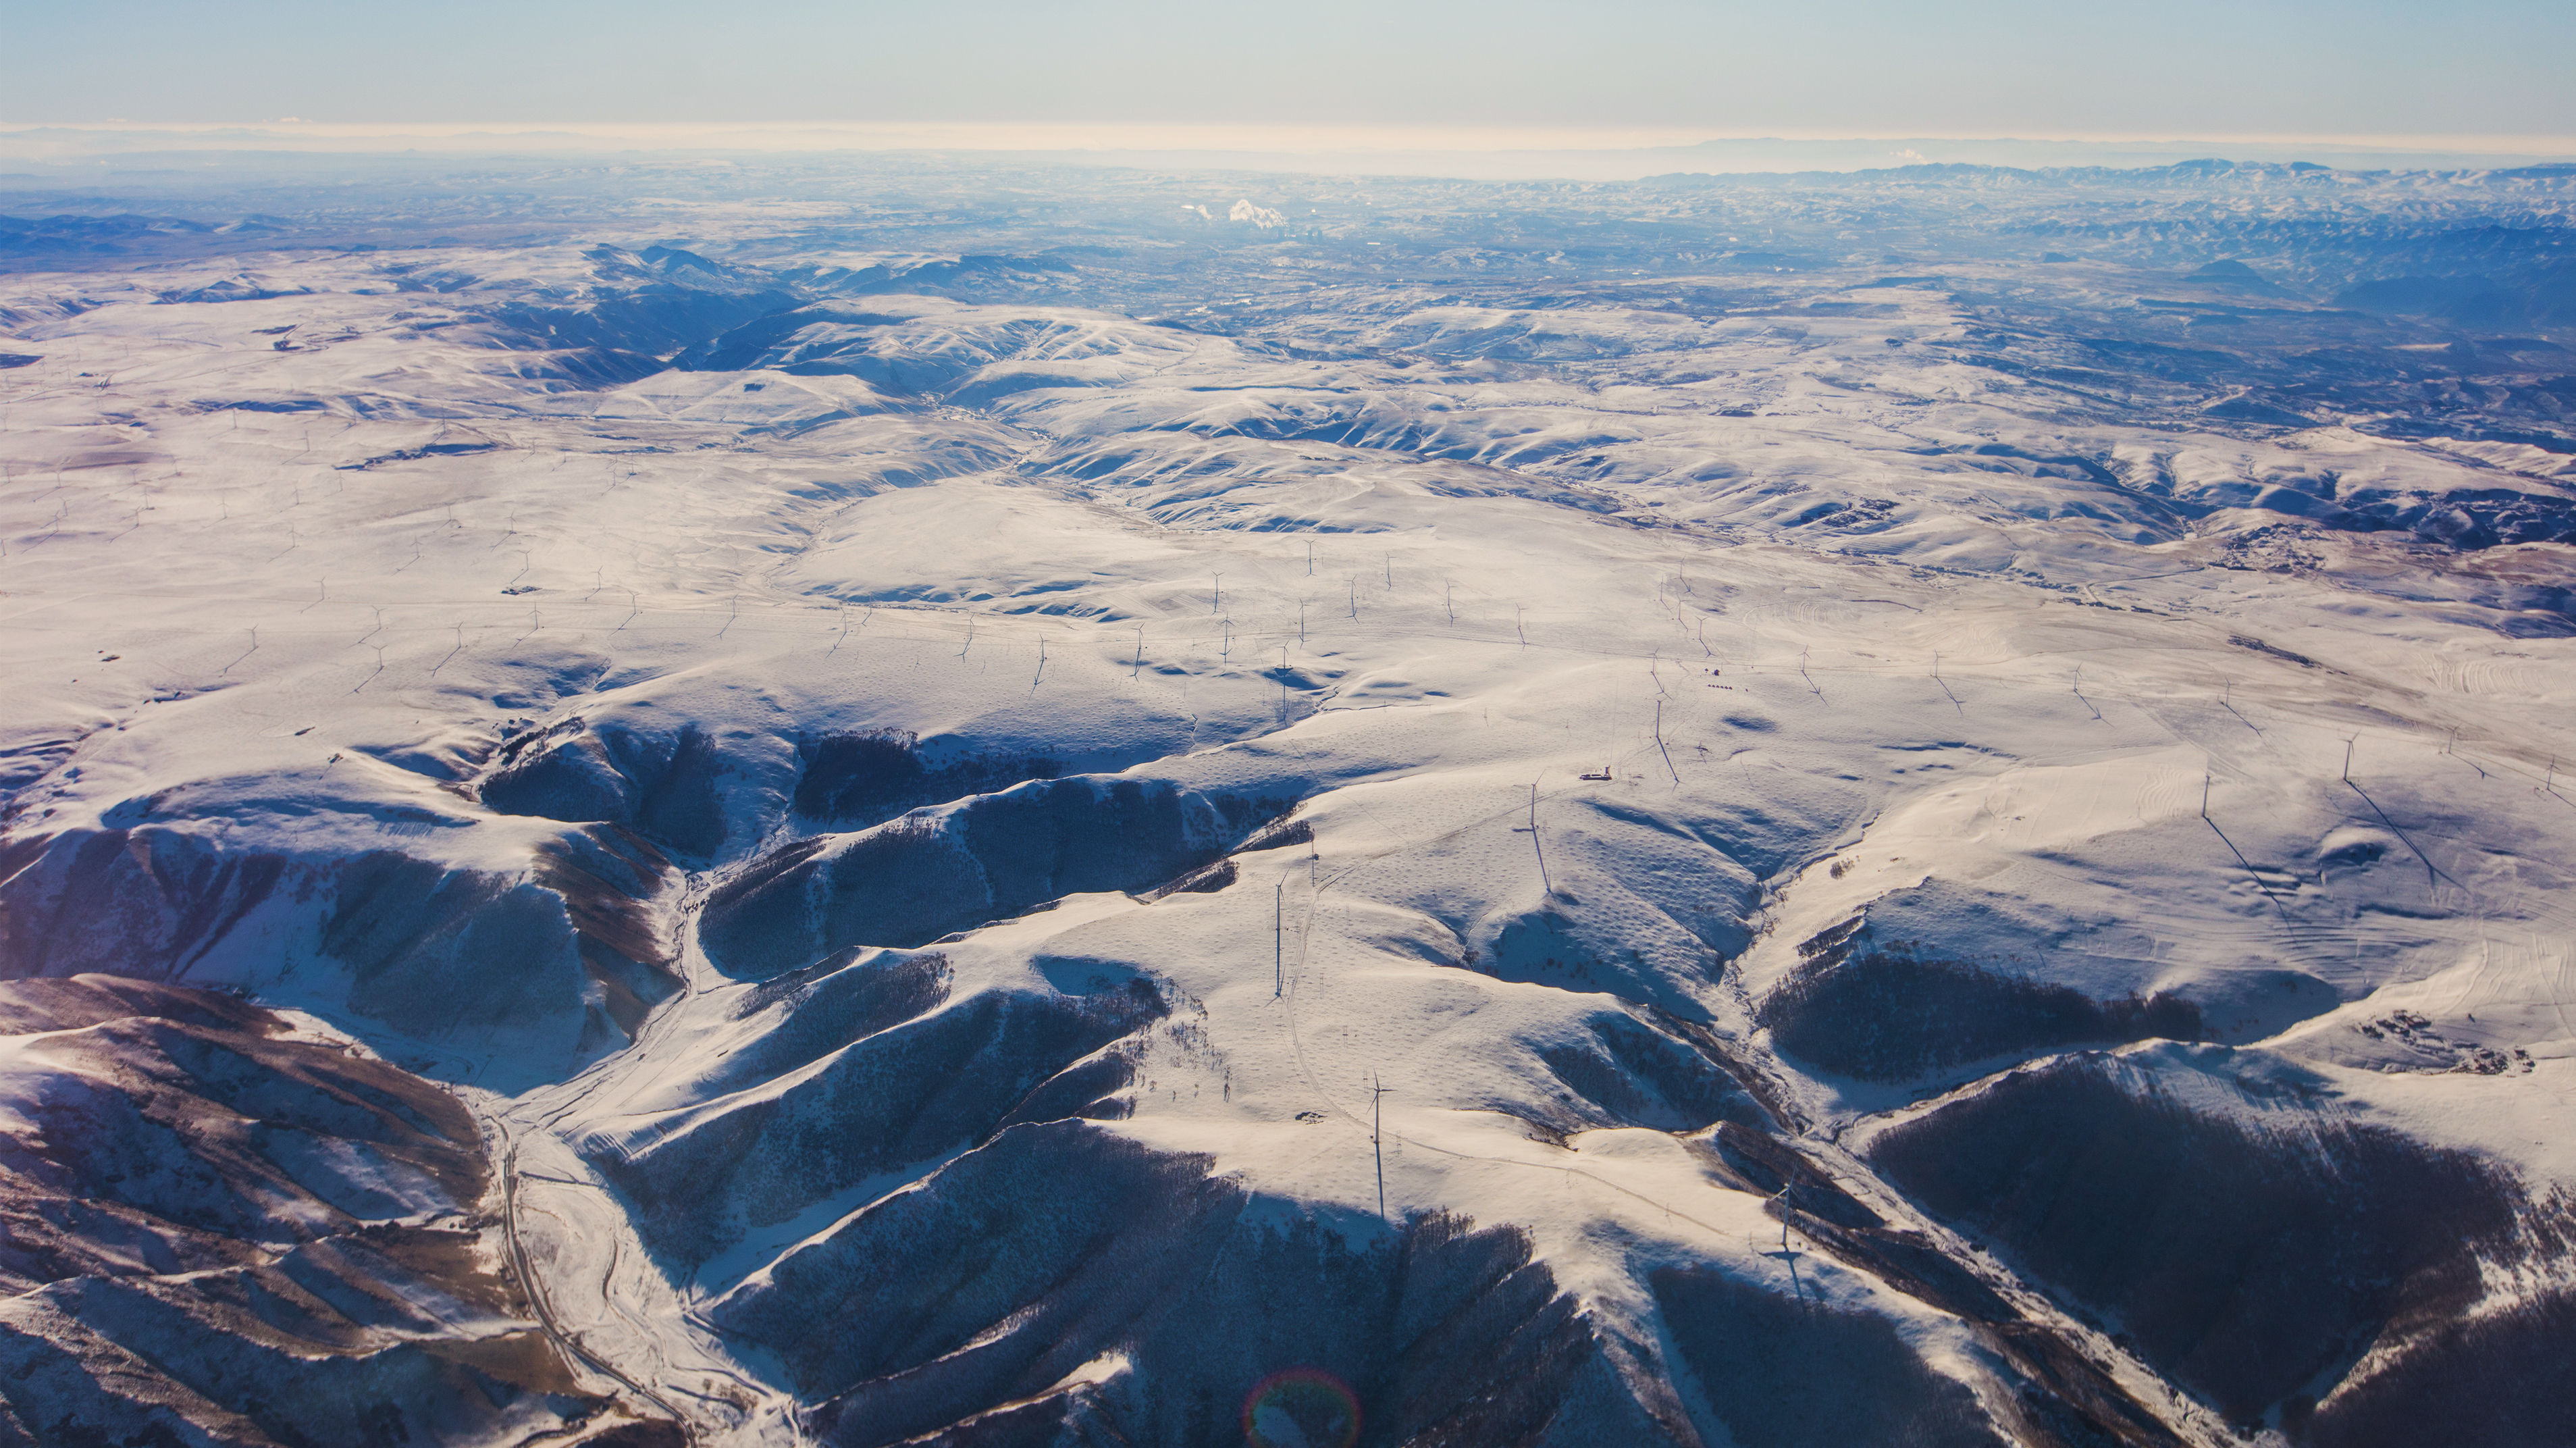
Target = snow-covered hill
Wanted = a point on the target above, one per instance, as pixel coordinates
(1887, 810)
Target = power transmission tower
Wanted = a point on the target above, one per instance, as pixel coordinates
(1531, 830)
(1377, 1137)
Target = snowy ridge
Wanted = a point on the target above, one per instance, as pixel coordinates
(1635, 848)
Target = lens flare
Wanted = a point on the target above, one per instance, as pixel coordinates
(1301, 1408)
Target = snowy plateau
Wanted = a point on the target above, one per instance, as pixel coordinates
(879, 801)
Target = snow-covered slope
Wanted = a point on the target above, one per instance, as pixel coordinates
(1846, 857)
(232, 1225)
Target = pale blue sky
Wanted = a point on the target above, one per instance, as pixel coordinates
(1852, 67)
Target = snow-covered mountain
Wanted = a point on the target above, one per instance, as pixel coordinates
(641, 806)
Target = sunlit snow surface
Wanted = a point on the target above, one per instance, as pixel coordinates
(1924, 844)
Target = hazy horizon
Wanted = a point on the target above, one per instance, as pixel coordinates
(42, 156)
